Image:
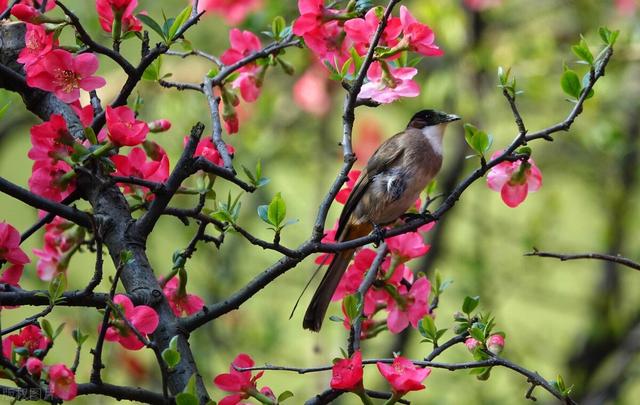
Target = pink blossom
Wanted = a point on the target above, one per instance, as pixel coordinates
(208, 150)
(37, 43)
(472, 344)
(347, 373)
(419, 37)
(413, 307)
(343, 194)
(46, 179)
(327, 44)
(135, 164)
(407, 246)
(362, 30)
(60, 72)
(50, 262)
(311, 13)
(124, 8)
(51, 140)
(57, 234)
(514, 180)
(479, 5)
(27, 14)
(124, 129)
(85, 114)
(161, 125)
(329, 237)
(142, 317)
(243, 43)
(231, 123)
(10, 250)
(239, 383)
(181, 302)
(495, 343)
(234, 11)
(368, 136)
(311, 93)
(403, 375)
(386, 88)
(12, 274)
(62, 382)
(34, 366)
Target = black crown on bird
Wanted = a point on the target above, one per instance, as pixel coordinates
(427, 118)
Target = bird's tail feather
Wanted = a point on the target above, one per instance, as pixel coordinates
(321, 299)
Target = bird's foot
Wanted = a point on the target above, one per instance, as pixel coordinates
(379, 232)
(415, 216)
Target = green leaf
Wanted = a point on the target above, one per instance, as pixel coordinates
(284, 396)
(263, 213)
(277, 25)
(152, 72)
(126, 257)
(428, 326)
(179, 21)
(608, 37)
(171, 357)
(166, 26)
(582, 51)
(249, 175)
(277, 210)
(173, 343)
(185, 398)
(357, 59)
(58, 331)
(571, 83)
(431, 188)
(88, 133)
(478, 140)
(46, 328)
(469, 304)
(477, 334)
(151, 23)
(352, 305)
(56, 287)
(4, 109)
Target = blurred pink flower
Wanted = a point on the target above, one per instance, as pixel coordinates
(514, 180)
(234, 11)
(62, 382)
(479, 5)
(311, 93)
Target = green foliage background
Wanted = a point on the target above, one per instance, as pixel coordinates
(547, 308)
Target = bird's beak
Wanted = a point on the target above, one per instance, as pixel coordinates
(452, 117)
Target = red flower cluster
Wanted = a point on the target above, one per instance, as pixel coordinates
(10, 252)
(322, 29)
(120, 11)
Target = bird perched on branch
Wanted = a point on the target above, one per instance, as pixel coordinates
(389, 184)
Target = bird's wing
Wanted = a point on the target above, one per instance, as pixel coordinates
(382, 158)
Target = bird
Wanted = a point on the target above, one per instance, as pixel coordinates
(390, 183)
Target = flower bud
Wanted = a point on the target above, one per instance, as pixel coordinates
(495, 344)
(471, 344)
(161, 125)
(34, 365)
(27, 14)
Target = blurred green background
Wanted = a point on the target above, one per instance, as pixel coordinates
(578, 319)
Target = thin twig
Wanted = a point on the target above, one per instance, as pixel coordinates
(597, 256)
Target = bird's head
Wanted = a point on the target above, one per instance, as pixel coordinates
(427, 118)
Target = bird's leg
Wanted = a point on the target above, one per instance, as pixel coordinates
(380, 232)
(414, 216)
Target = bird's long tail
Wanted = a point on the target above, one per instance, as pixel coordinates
(321, 299)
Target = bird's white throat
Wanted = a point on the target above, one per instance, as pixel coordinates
(434, 135)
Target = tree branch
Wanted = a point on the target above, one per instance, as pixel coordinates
(596, 256)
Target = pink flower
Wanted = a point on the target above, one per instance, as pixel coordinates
(85, 114)
(234, 11)
(347, 373)
(495, 343)
(343, 194)
(34, 366)
(407, 246)
(12, 274)
(419, 37)
(142, 317)
(387, 87)
(231, 123)
(311, 13)
(37, 43)
(46, 179)
(479, 5)
(60, 72)
(56, 234)
(27, 14)
(243, 43)
(327, 44)
(471, 344)
(403, 375)
(135, 164)
(626, 7)
(51, 140)
(362, 30)
(329, 237)
(181, 302)
(240, 383)
(10, 245)
(124, 129)
(62, 382)
(208, 150)
(123, 8)
(413, 307)
(161, 125)
(514, 180)
(30, 338)
(50, 262)
(368, 136)
(311, 93)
